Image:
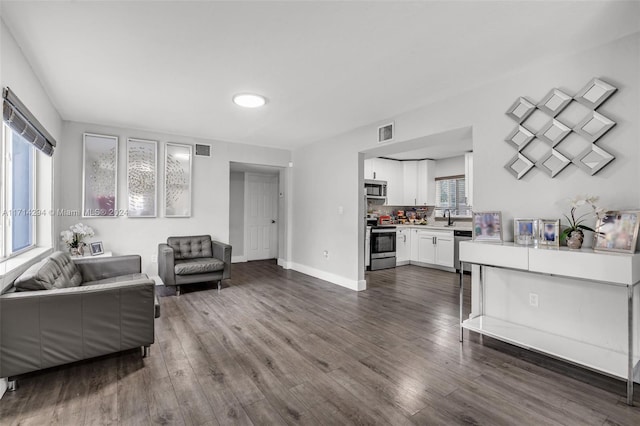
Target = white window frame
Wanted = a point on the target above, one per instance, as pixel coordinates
(439, 210)
(6, 196)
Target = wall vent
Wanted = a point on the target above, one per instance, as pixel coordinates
(203, 150)
(386, 132)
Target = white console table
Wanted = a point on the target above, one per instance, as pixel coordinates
(582, 325)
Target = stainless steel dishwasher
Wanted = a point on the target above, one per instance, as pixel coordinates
(459, 235)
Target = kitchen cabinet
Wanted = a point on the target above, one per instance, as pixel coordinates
(413, 244)
(390, 171)
(433, 247)
(419, 183)
(403, 246)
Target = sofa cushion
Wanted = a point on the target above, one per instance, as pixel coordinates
(56, 271)
(198, 266)
(118, 279)
(190, 247)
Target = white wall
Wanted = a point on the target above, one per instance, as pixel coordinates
(452, 166)
(236, 217)
(210, 190)
(328, 173)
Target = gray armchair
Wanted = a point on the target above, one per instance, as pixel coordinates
(193, 259)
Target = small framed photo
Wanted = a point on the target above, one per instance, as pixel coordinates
(525, 231)
(549, 232)
(617, 231)
(96, 248)
(487, 226)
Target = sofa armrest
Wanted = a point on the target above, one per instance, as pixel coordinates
(166, 265)
(108, 267)
(44, 328)
(222, 251)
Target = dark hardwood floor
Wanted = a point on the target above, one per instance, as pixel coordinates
(280, 347)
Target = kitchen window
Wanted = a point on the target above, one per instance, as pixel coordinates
(450, 195)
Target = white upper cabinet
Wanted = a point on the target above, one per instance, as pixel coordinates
(390, 171)
(410, 179)
(426, 186)
(468, 175)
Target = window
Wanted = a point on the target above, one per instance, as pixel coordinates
(450, 195)
(18, 197)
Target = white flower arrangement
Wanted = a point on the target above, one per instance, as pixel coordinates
(75, 235)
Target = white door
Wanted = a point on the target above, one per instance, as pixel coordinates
(261, 211)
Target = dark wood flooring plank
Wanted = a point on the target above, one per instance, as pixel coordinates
(279, 347)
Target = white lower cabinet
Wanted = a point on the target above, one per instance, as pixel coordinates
(403, 246)
(432, 247)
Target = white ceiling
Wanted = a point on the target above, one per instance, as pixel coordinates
(325, 67)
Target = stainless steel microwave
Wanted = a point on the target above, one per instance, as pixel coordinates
(376, 190)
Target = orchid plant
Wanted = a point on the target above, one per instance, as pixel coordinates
(75, 235)
(575, 220)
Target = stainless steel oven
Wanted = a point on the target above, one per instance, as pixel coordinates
(458, 236)
(383, 247)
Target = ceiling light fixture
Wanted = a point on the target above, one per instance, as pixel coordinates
(249, 100)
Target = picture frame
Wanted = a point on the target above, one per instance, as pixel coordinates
(177, 180)
(525, 231)
(142, 178)
(487, 226)
(549, 232)
(96, 248)
(617, 231)
(99, 175)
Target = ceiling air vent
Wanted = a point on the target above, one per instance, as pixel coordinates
(203, 150)
(385, 133)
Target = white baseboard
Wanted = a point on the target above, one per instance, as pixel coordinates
(238, 259)
(283, 263)
(332, 278)
(3, 386)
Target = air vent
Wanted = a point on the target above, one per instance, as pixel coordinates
(385, 133)
(203, 150)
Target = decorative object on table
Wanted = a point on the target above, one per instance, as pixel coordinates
(592, 127)
(525, 231)
(549, 230)
(617, 231)
(487, 226)
(177, 180)
(96, 248)
(142, 175)
(74, 238)
(574, 231)
(100, 171)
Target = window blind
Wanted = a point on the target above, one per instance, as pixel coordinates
(20, 120)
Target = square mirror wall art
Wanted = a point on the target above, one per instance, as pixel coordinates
(529, 115)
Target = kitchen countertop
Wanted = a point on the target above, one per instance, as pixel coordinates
(455, 227)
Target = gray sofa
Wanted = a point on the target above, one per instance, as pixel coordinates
(193, 259)
(62, 310)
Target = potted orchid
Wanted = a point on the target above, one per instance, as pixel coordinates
(74, 236)
(573, 233)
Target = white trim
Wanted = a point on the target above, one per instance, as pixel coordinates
(3, 386)
(332, 278)
(284, 263)
(238, 259)
(11, 268)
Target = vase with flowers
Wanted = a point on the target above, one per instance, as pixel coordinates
(573, 233)
(74, 238)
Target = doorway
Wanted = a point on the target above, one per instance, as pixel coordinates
(256, 207)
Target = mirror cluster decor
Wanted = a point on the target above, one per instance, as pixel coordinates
(591, 128)
(142, 160)
(99, 175)
(177, 176)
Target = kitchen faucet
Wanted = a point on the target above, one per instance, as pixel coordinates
(449, 223)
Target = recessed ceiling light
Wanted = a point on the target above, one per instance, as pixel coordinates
(249, 100)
